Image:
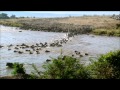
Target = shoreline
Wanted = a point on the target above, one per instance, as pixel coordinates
(102, 32)
(77, 25)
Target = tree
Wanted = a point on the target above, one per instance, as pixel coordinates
(13, 16)
(3, 16)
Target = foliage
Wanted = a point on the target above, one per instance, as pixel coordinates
(18, 69)
(117, 26)
(107, 66)
(108, 32)
(12, 16)
(36, 74)
(3, 16)
(65, 67)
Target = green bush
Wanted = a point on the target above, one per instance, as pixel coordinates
(107, 66)
(118, 35)
(65, 67)
(102, 32)
(99, 31)
(18, 69)
(111, 33)
(36, 74)
(19, 72)
(117, 26)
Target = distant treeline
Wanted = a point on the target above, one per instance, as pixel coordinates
(5, 16)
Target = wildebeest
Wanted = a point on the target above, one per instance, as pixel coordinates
(9, 49)
(86, 53)
(10, 65)
(20, 52)
(47, 51)
(1, 46)
(48, 60)
(77, 53)
(31, 52)
(81, 55)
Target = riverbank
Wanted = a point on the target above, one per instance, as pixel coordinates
(107, 32)
(99, 25)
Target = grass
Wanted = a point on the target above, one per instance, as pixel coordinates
(12, 23)
(108, 32)
(95, 21)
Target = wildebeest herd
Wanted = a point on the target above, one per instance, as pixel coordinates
(19, 48)
(37, 47)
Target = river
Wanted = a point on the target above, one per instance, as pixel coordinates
(91, 44)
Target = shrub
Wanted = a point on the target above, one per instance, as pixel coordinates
(65, 67)
(107, 66)
(36, 74)
(111, 33)
(19, 72)
(100, 31)
(18, 69)
(117, 26)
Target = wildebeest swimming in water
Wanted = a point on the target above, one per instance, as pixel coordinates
(86, 53)
(20, 52)
(48, 60)
(77, 53)
(9, 49)
(10, 65)
(47, 51)
(1, 46)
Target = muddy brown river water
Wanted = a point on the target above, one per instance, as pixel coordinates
(91, 44)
